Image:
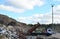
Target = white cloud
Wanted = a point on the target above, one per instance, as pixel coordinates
(26, 4)
(57, 9)
(10, 8)
(43, 18)
(35, 18)
(19, 6)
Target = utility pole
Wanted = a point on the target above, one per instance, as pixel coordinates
(52, 15)
(53, 18)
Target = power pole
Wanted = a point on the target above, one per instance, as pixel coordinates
(53, 18)
(52, 15)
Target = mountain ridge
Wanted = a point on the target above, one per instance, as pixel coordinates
(4, 19)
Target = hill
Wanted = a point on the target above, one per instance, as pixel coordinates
(10, 21)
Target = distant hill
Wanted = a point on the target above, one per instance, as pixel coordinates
(10, 21)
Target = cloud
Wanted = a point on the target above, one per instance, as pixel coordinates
(57, 9)
(11, 8)
(35, 18)
(57, 14)
(26, 4)
(19, 6)
(45, 18)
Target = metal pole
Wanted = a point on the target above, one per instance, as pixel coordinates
(52, 18)
(52, 15)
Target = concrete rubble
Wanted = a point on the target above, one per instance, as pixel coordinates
(11, 32)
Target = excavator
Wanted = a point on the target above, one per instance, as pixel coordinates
(33, 28)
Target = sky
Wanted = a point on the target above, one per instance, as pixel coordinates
(31, 11)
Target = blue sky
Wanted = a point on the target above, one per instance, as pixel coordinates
(31, 11)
